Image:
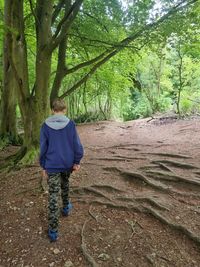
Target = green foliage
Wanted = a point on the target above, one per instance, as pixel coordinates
(151, 59)
(139, 108)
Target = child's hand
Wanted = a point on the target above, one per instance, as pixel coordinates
(44, 174)
(76, 167)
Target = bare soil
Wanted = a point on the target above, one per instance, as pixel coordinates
(136, 201)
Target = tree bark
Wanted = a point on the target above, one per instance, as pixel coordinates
(61, 66)
(33, 106)
(180, 87)
(9, 97)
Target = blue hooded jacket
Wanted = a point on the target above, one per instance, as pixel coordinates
(60, 146)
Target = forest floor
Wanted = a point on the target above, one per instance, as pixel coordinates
(136, 201)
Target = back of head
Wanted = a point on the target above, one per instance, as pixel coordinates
(58, 105)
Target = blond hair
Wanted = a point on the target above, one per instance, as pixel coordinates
(58, 105)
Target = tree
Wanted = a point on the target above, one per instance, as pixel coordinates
(57, 25)
(9, 92)
(183, 67)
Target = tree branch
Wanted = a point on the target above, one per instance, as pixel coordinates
(87, 76)
(65, 24)
(92, 40)
(98, 21)
(61, 66)
(33, 11)
(58, 7)
(124, 43)
(86, 63)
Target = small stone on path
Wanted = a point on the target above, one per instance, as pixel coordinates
(56, 251)
(68, 264)
(104, 257)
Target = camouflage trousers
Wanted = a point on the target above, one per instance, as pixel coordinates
(57, 181)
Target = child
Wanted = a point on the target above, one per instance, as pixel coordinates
(60, 154)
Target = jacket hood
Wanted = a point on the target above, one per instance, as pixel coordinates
(57, 122)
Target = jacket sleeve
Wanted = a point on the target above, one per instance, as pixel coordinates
(78, 148)
(43, 146)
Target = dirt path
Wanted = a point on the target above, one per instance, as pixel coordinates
(136, 201)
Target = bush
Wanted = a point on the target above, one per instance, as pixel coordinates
(91, 116)
(139, 109)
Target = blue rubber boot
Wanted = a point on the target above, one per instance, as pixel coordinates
(53, 235)
(66, 210)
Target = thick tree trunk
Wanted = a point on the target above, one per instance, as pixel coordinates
(36, 108)
(9, 96)
(34, 105)
(20, 69)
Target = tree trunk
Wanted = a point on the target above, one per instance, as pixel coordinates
(34, 105)
(9, 96)
(61, 65)
(84, 99)
(180, 69)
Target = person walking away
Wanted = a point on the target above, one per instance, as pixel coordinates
(60, 153)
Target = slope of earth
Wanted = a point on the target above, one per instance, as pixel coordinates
(136, 201)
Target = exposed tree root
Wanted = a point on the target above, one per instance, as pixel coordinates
(186, 194)
(6, 167)
(117, 158)
(171, 155)
(158, 146)
(162, 175)
(108, 188)
(125, 157)
(142, 209)
(176, 164)
(20, 159)
(89, 189)
(86, 254)
(109, 159)
(92, 163)
(130, 175)
(128, 207)
(29, 157)
(149, 200)
(172, 225)
(8, 139)
(12, 160)
(149, 167)
(122, 146)
(174, 178)
(152, 202)
(164, 167)
(129, 148)
(17, 156)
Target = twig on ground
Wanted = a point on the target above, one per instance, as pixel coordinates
(86, 254)
(91, 214)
